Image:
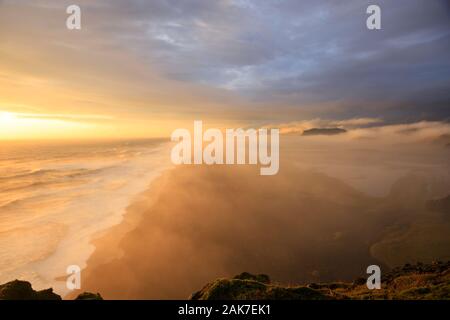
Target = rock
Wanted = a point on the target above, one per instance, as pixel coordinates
(323, 131)
(47, 294)
(263, 278)
(440, 205)
(246, 286)
(410, 282)
(360, 281)
(22, 290)
(89, 296)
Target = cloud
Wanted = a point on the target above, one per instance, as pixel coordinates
(419, 132)
(358, 122)
(66, 117)
(302, 53)
(373, 130)
(314, 57)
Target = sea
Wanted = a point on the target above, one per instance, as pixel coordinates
(56, 196)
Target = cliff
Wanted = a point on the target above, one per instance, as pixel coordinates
(22, 290)
(411, 282)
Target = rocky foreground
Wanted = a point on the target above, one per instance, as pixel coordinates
(411, 282)
(22, 290)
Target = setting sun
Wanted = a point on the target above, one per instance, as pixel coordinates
(7, 117)
(33, 126)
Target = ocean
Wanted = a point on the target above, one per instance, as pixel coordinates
(54, 197)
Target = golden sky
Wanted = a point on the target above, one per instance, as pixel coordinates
(61, 84)
(143, 69)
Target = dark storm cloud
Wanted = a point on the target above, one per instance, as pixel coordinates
(295, 53)
(302, 52)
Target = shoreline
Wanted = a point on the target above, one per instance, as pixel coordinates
(187, 229)
(197, 223)
(63, 197)
(106, 241)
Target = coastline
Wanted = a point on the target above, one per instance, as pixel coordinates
(187, 229)
(198, 223)
(61, 196)
(106, 242)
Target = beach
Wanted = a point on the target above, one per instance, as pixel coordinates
(55, 196)
(188, 229)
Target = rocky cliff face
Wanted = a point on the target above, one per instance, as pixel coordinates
(411, 282)
(22, 290)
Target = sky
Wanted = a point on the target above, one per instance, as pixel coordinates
(143, 68)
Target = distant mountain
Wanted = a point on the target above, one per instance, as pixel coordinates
(440, 205)
(410, 282)
(323, 131)
(443, 139)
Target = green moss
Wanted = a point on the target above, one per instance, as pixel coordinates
(411, 282)
(436, 292)
(263, 278)
(237, 289)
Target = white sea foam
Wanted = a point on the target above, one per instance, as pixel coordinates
(53, 199)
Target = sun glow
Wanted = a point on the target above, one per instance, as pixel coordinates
(25, 126)
(7, 117)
